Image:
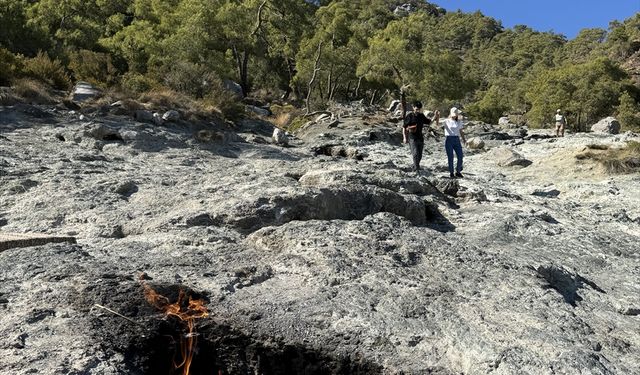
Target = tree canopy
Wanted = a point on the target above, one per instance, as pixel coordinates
(320, 51)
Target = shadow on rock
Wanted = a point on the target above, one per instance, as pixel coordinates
(565, 282)
(330, 203)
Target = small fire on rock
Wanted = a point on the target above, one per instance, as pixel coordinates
(187, 313)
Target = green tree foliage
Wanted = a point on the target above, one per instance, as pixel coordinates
(135, 44)
(338, 39)
(353, 49)
(494, 102)
(587, 44)
(10, 66)
(623, 39)
(395, 53)
(263, 29)
(17, 33)
(75, 23)
(136, 36)
(48, 70)
(461, 32)
(586, 92)
(628, 112)
(443, 78)
(94, 67)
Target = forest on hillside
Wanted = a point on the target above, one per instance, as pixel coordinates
(312, 53)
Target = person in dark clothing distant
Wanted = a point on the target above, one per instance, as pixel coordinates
(414, 122)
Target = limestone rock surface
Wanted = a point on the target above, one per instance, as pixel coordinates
(328, 256)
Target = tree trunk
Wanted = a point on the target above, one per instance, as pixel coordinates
(403, 103)
(316, 69)
(358, 87)
(373, 97)
(382, 96)
(331, 83)
(242, 60)
(291, 72)
(244, 78)
(333, 91)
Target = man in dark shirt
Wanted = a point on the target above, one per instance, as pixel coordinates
(412, 131)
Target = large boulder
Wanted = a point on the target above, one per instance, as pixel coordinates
(258, 110)
(475, 143)
(504, 121)
(171, 116)
(518, 133)
(494, 136)
(506, 157)
(233, 87)
(142, 115)
(84, 91)
(157, 119)
(280, 137)
(403, 10)
(607, 125)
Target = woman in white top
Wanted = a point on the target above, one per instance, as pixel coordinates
(453, 134)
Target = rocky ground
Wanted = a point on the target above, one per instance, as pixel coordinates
(325, 256)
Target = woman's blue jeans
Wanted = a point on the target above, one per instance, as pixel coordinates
(451, 144)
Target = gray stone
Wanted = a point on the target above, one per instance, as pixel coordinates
(506, 157)
(504, 121)
(333, 124)
(403, 10)
(546, 193)
(171, 116)
(607, 125)
(143, 115)
(234, 88)
(157, 119)
(279, 137)
(258, 110)
(493, 135)
(518, 133)
(475, 143)
(126, 188)
(448, 186)
(83, 91)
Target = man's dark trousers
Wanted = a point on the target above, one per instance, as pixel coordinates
(416, 151)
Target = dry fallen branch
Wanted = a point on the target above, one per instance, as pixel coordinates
(319, 113)
(118, 314)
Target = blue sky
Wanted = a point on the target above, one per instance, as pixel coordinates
(560, 16)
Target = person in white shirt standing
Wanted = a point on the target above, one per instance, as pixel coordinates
(453, 134)
(561, 122)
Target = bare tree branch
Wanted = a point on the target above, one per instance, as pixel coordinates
(259, 18)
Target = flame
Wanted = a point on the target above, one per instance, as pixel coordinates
(196, 309)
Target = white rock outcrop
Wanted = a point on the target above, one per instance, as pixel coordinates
(608, 125)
